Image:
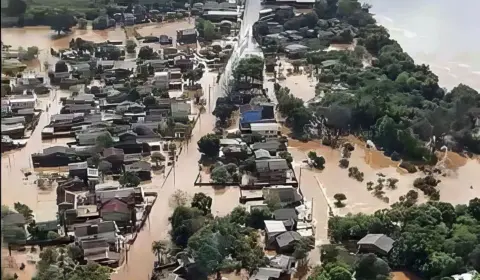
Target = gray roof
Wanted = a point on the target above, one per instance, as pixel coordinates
(281, 261)
(138, 166)
(285, 214)
(58, 149)
(271, 164)
(190, 31)
(295, 48)
(381, 241)
(266, 273)
(261, 153)
(271, 146)
(103, 227)
(330, 62)
(13, 120)
(113, 152)
(287, 238)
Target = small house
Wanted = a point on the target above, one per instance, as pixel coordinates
(376, 243)
(141, 168)
(271, 146)
(17, 102)
(272, 170)
(121, 211)
(95, 249)
(284, 242)
(272, 230)
(181, 110)
(187, 36)
(78, 169)
(107, 230)
(267, 273)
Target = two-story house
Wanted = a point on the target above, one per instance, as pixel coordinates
(272, 170)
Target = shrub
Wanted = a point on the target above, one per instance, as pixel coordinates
(344, 163)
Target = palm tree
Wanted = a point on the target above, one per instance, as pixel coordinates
(159, 248)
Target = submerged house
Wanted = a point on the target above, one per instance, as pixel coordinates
(121, 211)
(56, 156)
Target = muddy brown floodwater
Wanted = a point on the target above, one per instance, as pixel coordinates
(461, 184)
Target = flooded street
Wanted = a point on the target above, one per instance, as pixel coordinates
(140, 257)
(15, 186)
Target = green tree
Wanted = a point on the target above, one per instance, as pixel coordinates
(193, 75)
(370, 267)
(257, 217)
(339, 197)
(249, 69)
(299, 118)
(24, 210)
(317, 161)
(202, 202)
(209, 32)
(239, 215)
(82, 23)
(209, 145)
(303, 247)
(272, 200)
(104, 141)
(62, 21)
(159, 248)
(185, 222)
(223, 112)
(51, 235)
(146, 53)
(220, 175)
(16, 8)
(287, 156)
(129, 180)
(130, 46)
(340, 273)
(157, 157)
(104, 167)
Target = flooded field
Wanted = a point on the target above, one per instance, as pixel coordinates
(459, 186)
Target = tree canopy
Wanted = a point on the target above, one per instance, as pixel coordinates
(433, 240)
(209, 145)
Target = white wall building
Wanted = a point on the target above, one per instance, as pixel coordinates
(269, 130)
(22, 101)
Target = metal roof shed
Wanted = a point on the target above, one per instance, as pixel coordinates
(273, 227)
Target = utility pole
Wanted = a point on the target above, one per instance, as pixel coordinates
(300, 177)
(209, 98)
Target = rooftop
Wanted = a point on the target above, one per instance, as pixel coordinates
(381, 241)
(274, 226)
